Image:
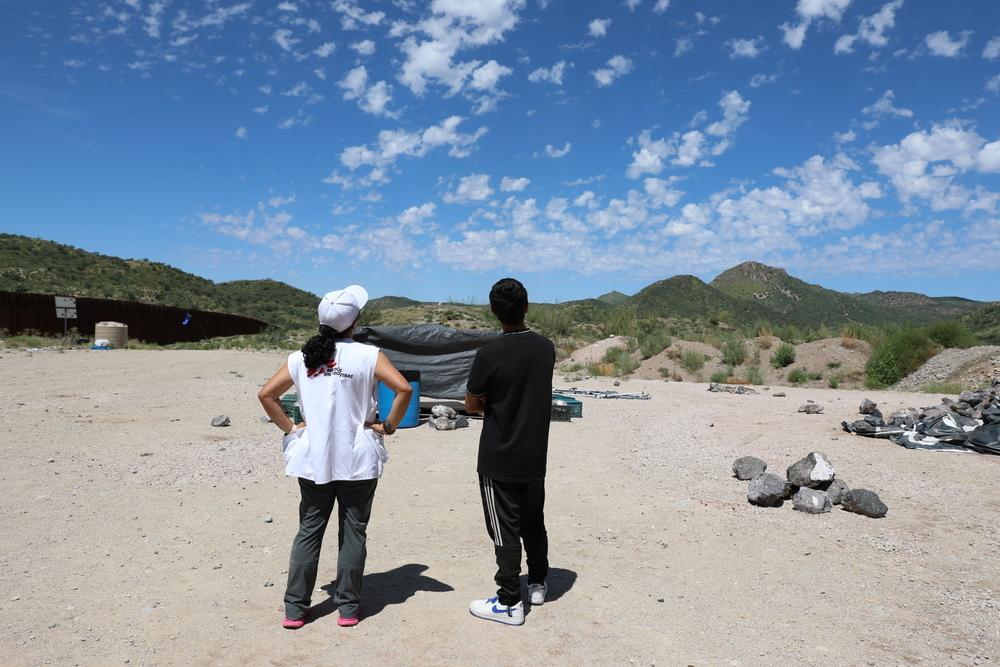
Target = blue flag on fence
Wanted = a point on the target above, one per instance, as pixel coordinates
(187, 318)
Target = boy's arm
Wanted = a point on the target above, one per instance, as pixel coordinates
(474, 404)
(475, 388)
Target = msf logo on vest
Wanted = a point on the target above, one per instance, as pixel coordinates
(328, 369)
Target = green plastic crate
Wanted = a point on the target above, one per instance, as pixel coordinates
(575, 406)
(290, 404)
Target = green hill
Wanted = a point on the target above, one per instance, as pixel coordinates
(393, 302)
(985, 322)
(615, 298)
(915, 306)
(35, 265)
(687, 296)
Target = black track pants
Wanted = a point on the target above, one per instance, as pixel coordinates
(514, 512)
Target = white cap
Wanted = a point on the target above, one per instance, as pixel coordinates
(340, 308)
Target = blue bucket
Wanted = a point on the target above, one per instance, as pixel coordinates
(385, 396)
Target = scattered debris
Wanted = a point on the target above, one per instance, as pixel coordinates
(812, 471)
(768, 490)
(863, 501)
(268, 584)
(778, 394)
(221, 420)
(811, 409)
(268, 519)
(444, 418)
(748, 467)
(971, 423)
(596, 393)
(812, 501)
(868, 407)
(730, 388)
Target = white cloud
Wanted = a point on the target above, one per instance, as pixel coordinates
(661, 6)
(393, 144)
(278, 201)
(475, 187)
(74, 64)
(487, 76)
(151, 22)
(871, 29)
(365, 47)
(553, 74)
(298, 90)
(940, 43)
(809, 11)
(241, 133)
(373, 99)
(661, 193)
(682, 45)
(992, 49)
(759, 80)
(924, 166)
(598, 27)
(885, 107)
(214, 19)
(617, 66)
(262, 226)
(632, 4)
(993, 85)
(513, 184)
(453, 26)
(554, 152)
(415, 215)
(324, 50)
(692, 147)
(845, 137)
(746, 48)
(287, 7)
(285, 39)
(353, 17)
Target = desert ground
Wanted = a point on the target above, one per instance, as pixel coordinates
(135, 533)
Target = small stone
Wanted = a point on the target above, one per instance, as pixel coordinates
(268, 584)
(748, 467)
(268, 519)
(443, 411)
(867, 407)
(617, 383)
(811, 501)
(217, 566)
(778, 394)
(811, 471)
(865, 502)
(768, 490)
(811, 409)
(51, 461)
(15, 598)
(835, 489)
(221, 420)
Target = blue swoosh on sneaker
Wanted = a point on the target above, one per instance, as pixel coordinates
(501, 610)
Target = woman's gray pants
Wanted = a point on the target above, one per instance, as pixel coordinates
(354, 504)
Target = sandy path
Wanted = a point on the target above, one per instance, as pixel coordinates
(114, 556)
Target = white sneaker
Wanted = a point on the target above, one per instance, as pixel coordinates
(491, 610)
(536, 593)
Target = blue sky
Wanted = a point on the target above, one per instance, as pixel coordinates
(427, 149)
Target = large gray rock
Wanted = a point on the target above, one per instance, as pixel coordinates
(811, 471)
(812, 501)
(811, 409)
(444, 411)
(863, 501)
(768, 490)
(221, 420)
(748, 467)
(867, 407)
(835, 489)
(445, 424)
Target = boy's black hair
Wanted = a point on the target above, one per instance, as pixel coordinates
(508, 301)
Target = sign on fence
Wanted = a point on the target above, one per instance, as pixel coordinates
(66, 309)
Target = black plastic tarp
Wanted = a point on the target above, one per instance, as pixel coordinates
(442, 355)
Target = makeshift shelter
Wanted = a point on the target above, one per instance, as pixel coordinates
(442, 355)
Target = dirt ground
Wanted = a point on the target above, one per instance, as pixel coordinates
(134, 532)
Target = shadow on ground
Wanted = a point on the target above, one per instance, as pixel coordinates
(382, 589)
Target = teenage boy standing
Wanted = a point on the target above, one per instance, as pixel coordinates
(511, 383)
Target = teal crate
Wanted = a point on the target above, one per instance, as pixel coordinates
(290, 404)
(575, 406)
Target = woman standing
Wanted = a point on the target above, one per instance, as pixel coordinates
(339, 456)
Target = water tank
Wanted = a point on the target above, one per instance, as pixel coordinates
(114, 332)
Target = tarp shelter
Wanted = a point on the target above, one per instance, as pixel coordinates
(442, 355)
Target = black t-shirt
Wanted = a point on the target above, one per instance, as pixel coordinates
(514, 374)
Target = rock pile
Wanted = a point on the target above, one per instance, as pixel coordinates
(810, 483)
(444, 418)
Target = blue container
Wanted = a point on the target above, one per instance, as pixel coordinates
(385, 396)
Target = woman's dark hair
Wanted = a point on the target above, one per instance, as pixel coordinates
(320, 348)
(508, 301)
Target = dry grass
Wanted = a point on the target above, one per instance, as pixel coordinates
(850, 343)
(766, 342)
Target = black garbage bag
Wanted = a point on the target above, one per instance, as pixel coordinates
(442, 355)
(912, 440)
(991, 414)
(985, 439)
(870, 429)
(947, 428)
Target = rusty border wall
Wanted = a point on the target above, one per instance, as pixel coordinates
(20, 312)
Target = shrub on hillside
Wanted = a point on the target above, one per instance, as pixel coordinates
(753, 375)
(898, 354)
(783, 356)
(797, 375)
(692, 361)
(951, 333)
(719, 376)
(620, 359)
(654, 342)
(734, 352)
